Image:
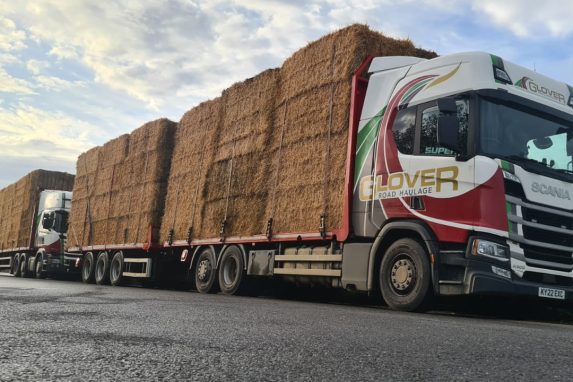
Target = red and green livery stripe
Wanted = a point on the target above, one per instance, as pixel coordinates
(366, 138)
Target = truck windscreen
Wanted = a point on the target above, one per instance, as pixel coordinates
(525, 136)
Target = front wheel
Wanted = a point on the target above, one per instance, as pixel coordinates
(405, 276)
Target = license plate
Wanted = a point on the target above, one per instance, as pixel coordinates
(558, 294)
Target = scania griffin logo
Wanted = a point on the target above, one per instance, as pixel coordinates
(556, 192)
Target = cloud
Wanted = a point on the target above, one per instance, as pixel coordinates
(37, 66)
(529, 18)
(57, 84)
(10, 37)
(14, 85)
(27, 132)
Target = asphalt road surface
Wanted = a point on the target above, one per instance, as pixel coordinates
(63, 330)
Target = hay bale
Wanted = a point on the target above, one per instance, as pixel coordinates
(7, 234)
(237, 172)
(224, 157)
(19, 203)
(315, 136)
(121, 187)
(193, 152)
(81, 215)
(273, 146)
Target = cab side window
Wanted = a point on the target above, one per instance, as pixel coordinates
(404, 130)
(429, 130)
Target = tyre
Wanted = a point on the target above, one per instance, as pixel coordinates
(116, 269)
(405, 276)
(38, 268)
(88, 267)
(17, 267)
(24, 265)
(205, 272)
(102, 269)
(231, 270)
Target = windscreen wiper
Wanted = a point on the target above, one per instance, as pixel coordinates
(517, 158)
(563, 170)
(537, 166)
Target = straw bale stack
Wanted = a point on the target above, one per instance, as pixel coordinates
(18, 203)
(274, 146)
(236, 188)
(80, 227)
(120, 187)
(195, 140)
(313, 108)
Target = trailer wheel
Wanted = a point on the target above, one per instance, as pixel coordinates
(15, 270)
(116, 269)
(205, 272)
(24, 271)
(405, 276)
(39, 271)
(88, 266)
(231, 270)
(102, 269)
(24, 266)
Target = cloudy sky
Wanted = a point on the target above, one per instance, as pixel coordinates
(76, 73)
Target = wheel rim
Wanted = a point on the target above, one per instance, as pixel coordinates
(403, 274)
(230, 271)
(204, 270)
(38, 266)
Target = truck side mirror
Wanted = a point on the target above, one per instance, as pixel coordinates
(448, 124)
(47, 222)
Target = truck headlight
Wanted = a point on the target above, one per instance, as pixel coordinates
(490, 249)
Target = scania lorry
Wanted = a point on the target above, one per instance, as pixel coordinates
(458, 181)
(34, 240)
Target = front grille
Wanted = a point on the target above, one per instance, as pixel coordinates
(547, 219)
(550, 259)
(545, 234)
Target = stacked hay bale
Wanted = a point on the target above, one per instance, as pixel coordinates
(313, 111)
(120, 188)
(8, 235)
(236, 185)
(80, 228)
(195, 141)
(218, 172)
(273, 147)
(19, 202)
